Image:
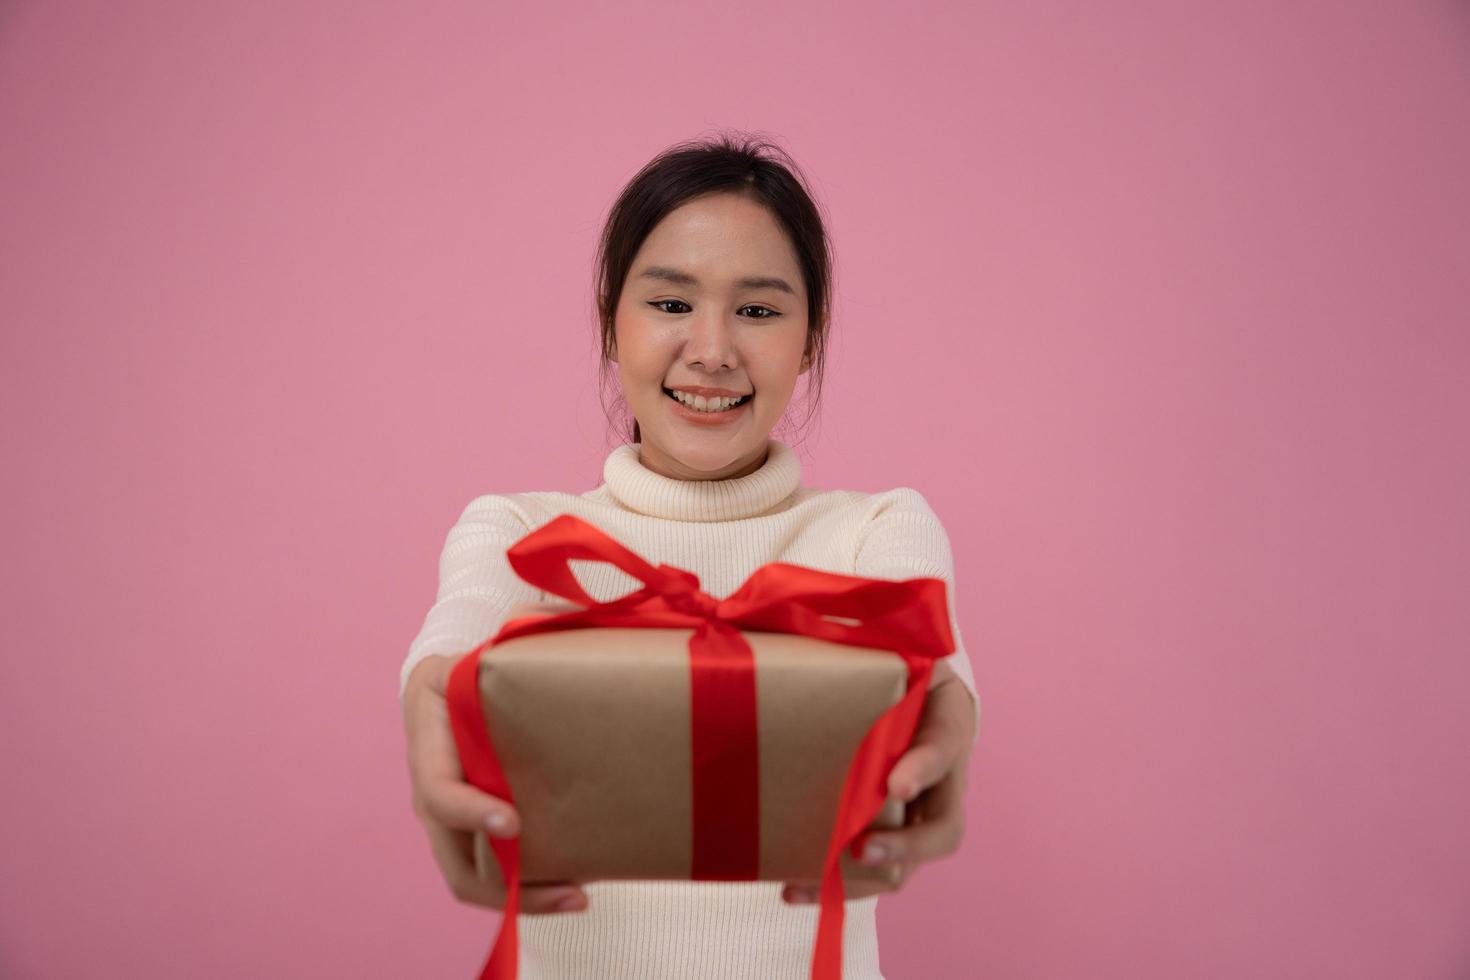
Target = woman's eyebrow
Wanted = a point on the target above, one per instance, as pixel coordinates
(679, 277)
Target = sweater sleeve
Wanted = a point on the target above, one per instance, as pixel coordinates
(476, 583)
(902, 538)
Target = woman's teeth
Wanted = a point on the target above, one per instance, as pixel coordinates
(702, 404)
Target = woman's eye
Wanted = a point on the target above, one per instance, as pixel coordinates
(660, 303)
(768, 313)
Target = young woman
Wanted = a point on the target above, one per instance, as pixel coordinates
(713, 297)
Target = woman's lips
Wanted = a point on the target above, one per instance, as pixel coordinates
(708, 418)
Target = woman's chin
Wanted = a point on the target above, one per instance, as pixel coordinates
(702, 454)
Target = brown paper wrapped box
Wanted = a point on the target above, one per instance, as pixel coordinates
(592, 729)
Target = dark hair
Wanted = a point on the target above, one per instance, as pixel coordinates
(747, 165)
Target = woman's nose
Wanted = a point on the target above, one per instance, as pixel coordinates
(710, 341)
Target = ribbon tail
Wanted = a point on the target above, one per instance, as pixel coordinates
(482, 770)
(863, 794)
(505, 955)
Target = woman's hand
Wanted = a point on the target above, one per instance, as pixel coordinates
(930, 778)
(452, 810)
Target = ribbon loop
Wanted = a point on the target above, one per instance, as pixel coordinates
(543, 557)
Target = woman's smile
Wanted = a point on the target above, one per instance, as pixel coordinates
(708, 417)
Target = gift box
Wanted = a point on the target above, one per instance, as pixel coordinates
(592, 728)
(802, 663)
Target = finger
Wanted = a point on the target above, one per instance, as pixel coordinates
(923, 765)
(857, 882)
(803, 893)
(937, 744)
(548, 899)
(936, 829)
(893, 879)
(438, 778)
(461, 806)
(880, 881)
(539, 898)
(454, 852)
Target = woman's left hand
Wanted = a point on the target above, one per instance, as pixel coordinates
(930, 778)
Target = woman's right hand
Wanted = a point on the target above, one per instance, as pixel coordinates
(452, 810)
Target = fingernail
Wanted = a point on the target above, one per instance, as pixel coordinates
(497, 822)
(874, 853)
(571, 903)
(801, 895)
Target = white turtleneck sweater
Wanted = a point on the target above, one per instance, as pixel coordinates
(721, 530)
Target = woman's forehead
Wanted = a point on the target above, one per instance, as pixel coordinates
(710, 243)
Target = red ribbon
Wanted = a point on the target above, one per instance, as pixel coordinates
(908, 618)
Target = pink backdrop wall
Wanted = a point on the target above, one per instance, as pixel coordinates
(1163, 306)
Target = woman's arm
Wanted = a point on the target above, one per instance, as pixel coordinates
(903, 539)
(478, 591)
(476, 583)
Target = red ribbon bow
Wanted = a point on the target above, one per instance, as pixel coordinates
(908, 618)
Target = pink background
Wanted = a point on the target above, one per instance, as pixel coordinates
(1163, 307)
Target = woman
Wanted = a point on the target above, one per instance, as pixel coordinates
(713, 297)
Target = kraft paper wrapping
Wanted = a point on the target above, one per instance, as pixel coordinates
(592, 728)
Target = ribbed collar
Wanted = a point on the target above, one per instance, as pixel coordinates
(640, 489)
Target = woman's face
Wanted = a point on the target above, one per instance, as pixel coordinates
(714, 299)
